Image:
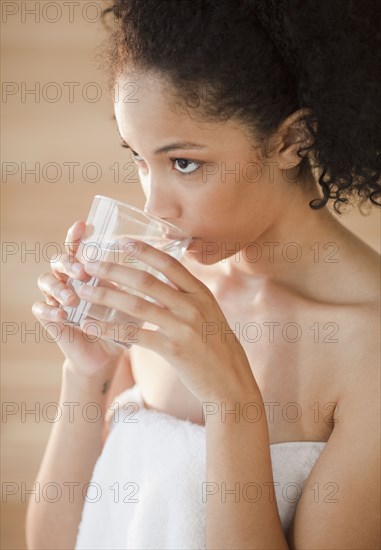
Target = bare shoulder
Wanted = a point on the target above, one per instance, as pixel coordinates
(360, 317)
(361, 342)
(359, 361)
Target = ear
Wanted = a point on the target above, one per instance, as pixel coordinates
(290, 137)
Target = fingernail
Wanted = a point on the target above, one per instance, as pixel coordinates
(92, 267)
(85, 290)
(65, 294)
(54, 314)
(76, 268)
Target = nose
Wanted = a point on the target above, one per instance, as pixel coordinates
(162, 204)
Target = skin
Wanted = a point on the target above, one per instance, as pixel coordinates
(318, 288)
(331, 372)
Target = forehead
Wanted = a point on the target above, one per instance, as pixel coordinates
(147, 110)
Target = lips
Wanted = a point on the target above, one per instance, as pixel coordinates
(193, 242)
(179, 237)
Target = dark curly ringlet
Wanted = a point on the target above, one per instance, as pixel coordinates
(261, 60)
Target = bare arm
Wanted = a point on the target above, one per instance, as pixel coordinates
(339, 506)
(75, 442)
(122, 380)
(238, 455)
(74, 445)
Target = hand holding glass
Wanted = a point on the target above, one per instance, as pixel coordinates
(112, 229)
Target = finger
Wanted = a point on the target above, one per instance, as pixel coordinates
(56, 291)
(45, 312)
(130, 304)
(125, 334)
(139, 280)
(64, 268)
(51, 301)
(73, 237)
(163, 262)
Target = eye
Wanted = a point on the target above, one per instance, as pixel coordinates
(135, 156)
(186, 166)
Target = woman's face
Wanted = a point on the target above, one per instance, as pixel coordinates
(204, 177)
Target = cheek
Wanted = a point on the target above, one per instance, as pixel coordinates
(215, 208)
(227, 197)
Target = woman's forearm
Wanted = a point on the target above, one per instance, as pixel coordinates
(241, 509)
(74, 445)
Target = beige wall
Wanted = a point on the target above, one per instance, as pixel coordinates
(36, 213)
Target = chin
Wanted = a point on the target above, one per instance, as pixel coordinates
(196, 253)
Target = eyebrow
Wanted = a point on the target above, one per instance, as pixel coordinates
(170, 146)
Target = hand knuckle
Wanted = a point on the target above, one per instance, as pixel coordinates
(141, 246)
(137, 305)
(174, 347)
(100, 292)
(106, 268)
(68, 258)
(57, 266)
(172, 264)
(56, 289)
(188, 333)
(146, 279)
(66, 263)
(193, 315)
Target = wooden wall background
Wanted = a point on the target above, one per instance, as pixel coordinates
(51, 45)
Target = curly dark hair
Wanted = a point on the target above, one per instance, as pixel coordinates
(262, 60)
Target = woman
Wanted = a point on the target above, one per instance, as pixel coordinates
(265, 113)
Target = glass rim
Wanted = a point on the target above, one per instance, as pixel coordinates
(149, 216)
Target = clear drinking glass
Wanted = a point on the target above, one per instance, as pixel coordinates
(111, 230)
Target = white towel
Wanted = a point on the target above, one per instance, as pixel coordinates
(146, 487)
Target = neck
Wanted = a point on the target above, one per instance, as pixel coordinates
(303, 249)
